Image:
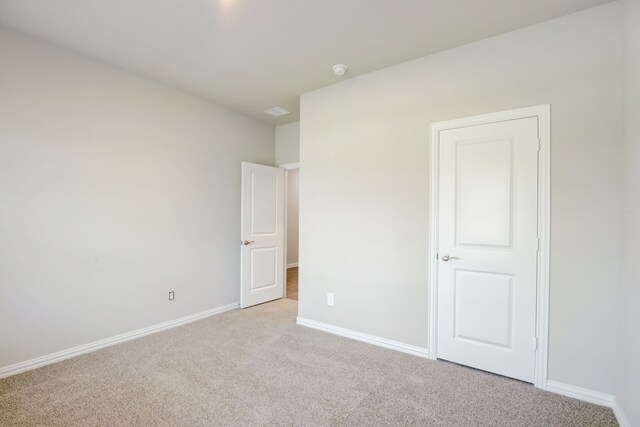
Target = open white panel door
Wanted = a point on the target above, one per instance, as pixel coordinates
(488, 245)
(262, 234)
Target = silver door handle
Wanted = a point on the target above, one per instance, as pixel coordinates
(446, 257)
(248, 242)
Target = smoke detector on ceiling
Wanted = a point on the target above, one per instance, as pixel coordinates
(339, 69)
(277, 111)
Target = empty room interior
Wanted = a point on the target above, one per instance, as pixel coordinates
(320, 213)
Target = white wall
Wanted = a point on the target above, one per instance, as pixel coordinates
(292, 216)
(288, 143)
(364, 204)
(628, 393)
(113, 191)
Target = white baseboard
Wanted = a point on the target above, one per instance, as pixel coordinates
(97, 345)
(581, 393)
(590, 396)
(359, 336)
(295, 264)
(620, 415)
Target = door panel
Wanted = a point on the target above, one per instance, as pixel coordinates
(487, 246)
(264, 267)
(484, 172)
(262, 234)
(483, 307)
(264, 200)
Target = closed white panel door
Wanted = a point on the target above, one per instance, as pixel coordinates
(262, 234)
(487, 246)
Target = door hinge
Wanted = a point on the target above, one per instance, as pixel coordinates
(539, 145)
(538, 245)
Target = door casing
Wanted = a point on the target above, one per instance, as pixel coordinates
(543, 114)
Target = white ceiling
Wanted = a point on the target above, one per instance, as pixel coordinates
(250, 55)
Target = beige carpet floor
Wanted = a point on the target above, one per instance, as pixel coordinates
(256, 367)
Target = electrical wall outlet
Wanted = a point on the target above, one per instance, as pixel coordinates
(330, 298)
(172, 295)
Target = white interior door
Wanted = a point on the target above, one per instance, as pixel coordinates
(488, 245)
(262, 234)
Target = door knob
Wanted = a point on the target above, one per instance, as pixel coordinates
(248, 242)
(446, 257)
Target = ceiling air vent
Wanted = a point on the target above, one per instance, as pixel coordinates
(277, 111)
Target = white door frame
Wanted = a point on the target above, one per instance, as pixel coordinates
(287, 167)
(543, 114)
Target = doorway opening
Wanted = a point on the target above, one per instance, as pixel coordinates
(292, 179)
(268, 233)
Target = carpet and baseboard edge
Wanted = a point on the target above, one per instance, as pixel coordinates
(590, 396)
(580, 393)
(59, 356)
(552, 386)
(568, 390)
(596, 397)
(359, 336)
(620, 415)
